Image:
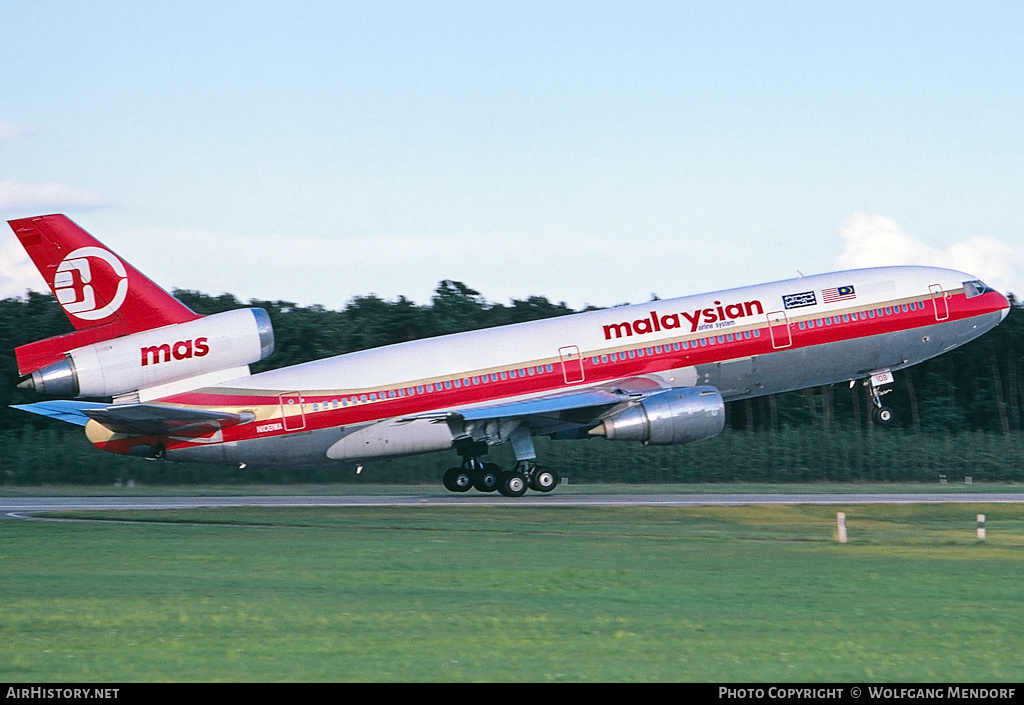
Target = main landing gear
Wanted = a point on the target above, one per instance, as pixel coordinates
(488, 477)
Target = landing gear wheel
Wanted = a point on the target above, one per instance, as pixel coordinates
(882, 416)
(544, 479)
(486, 479)
(457, 480)
(512, 484)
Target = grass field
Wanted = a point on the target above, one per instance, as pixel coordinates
(516, 594)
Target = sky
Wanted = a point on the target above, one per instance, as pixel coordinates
(590, 152)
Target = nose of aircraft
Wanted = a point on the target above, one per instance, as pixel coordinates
(1004, 304)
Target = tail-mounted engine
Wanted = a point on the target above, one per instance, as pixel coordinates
(160, 356)
(676, 416)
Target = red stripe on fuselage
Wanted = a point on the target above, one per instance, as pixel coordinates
(346, 413)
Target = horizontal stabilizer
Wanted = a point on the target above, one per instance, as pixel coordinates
(158, 420)
(61, 409)
(139, 419)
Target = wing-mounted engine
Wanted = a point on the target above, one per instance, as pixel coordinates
(200, 348)
(672, 417)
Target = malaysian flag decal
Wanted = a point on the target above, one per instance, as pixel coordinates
(838, 293)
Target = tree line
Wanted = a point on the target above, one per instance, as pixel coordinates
(975, 389)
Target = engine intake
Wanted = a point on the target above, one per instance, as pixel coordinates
(677, 416)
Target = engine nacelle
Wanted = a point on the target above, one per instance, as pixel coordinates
(677, 416)
(160, 356)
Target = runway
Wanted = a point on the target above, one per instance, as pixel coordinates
(26, 507)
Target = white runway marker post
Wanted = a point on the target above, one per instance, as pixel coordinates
(841, 525)
(981, 527)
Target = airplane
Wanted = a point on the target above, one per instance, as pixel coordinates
(658, 373)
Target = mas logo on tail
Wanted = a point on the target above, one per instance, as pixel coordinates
(81, 301)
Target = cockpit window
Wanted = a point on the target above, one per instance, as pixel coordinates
(975, 288)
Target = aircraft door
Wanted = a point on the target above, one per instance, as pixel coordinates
(291, 412)
(572, 364)
(939, 302)
(778, 327)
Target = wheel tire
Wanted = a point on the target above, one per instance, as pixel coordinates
(544, 479)
(512, 484)
(457, 480)
(486, 479)
(882, 416)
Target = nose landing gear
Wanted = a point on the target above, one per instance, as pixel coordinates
(881, 414)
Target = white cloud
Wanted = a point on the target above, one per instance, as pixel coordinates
(16, 196)
(876, 241)
(17, 273)
(10, 131)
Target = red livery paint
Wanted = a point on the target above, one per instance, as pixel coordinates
(655, 323)
(181, 350)
(103, 296)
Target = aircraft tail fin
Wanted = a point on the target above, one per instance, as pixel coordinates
(103, 296)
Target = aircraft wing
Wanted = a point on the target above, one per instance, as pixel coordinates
(555, 412)
(140, 419)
